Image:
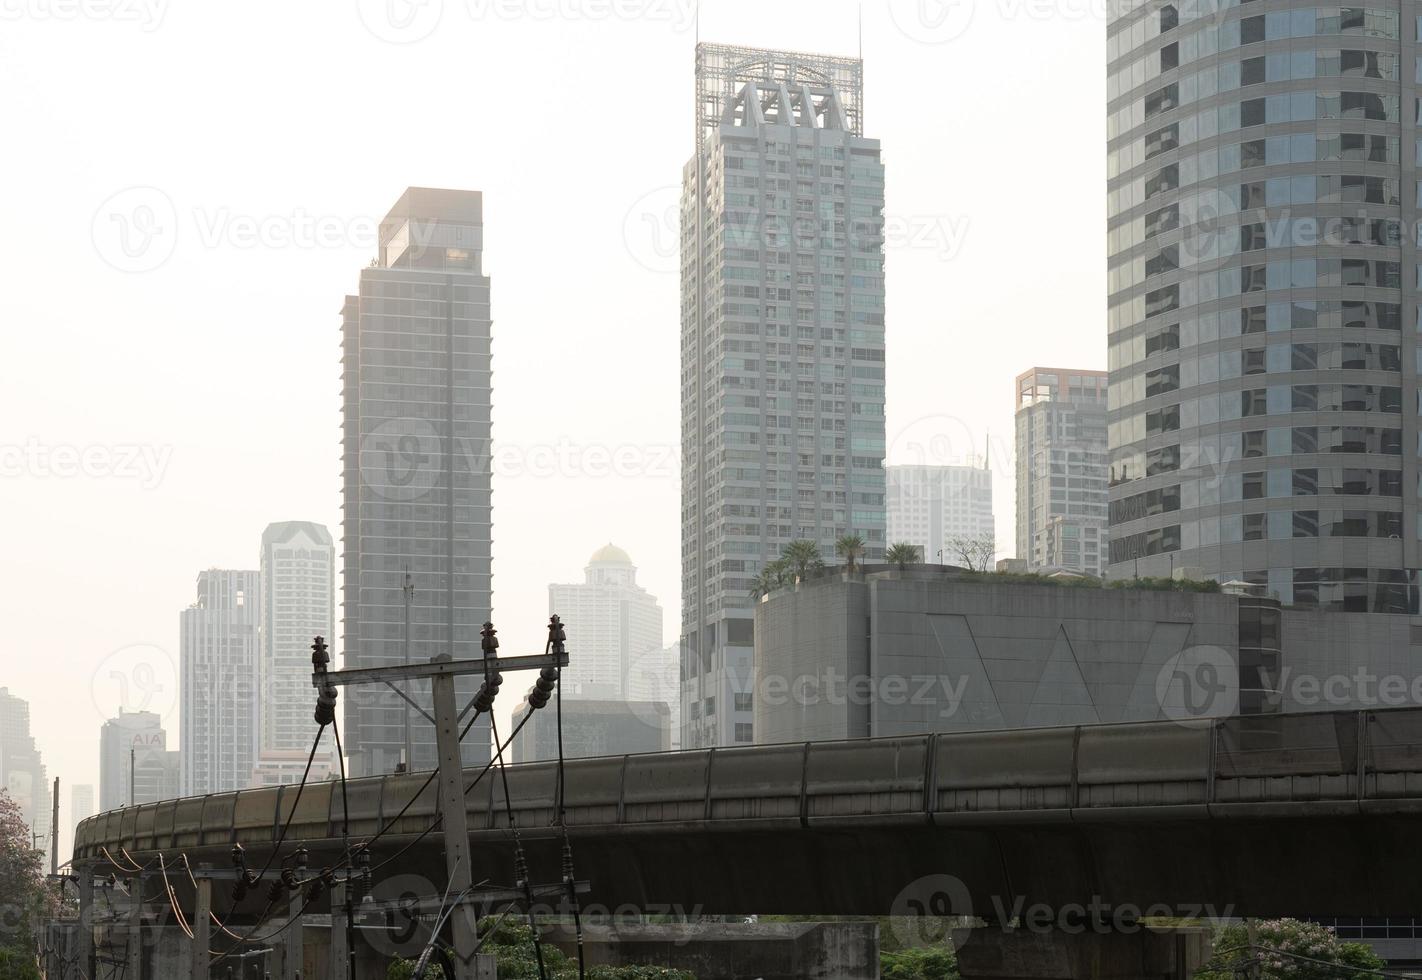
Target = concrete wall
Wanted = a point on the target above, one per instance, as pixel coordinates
(1338, 660)
(824, 623)
(897, 653)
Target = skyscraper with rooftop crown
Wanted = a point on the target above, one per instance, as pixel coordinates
(782, 349)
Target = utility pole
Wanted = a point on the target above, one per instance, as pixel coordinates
(132, 756)
(409, 591)
(441, 673)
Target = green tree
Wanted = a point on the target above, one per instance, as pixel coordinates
(17, 964)
(920, 963)
(903, 554)
(801, 557)
(770, 578)
(511, 943)
(850, 547)
(1287, 948)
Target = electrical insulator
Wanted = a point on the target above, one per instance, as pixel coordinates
(326, 705)
(490, 640)
(320, 657)
(557, 635)
(302, 855)
(488, 691)
(543, 687)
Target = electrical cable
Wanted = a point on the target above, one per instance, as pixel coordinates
(557, 636)
(439, 818)
(520, 861)
(173, 899)
(346, 844)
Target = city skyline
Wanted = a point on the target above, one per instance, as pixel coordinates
(290, 458)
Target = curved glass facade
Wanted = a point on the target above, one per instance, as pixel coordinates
(1263, 318)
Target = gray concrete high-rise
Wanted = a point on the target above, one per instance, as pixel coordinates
(217, 677)
(22, 773)
(297, 604)
(1262, 311)
(417, 383)
(782, 349)
(1062, 469)
(134, 761)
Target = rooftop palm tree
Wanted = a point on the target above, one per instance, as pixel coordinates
(801, 557)
(770, 578)
(903, 554)
(850, 547)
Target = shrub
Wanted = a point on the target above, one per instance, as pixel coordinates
(1288, 948)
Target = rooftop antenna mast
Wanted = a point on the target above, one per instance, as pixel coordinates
(409, 592)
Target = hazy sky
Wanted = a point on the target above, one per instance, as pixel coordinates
(160, 406)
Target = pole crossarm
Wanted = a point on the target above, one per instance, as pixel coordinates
(411, 702)
(437, 668)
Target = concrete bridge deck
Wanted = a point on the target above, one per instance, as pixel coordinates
(1260, 815)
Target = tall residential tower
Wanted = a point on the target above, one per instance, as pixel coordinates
(782, 349)
(297, 604)
(417, 381)
(1263, 311)
(217, 676)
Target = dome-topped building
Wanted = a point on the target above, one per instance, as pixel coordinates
(612, 623)
(610, 554)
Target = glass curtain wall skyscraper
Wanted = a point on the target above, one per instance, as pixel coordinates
(1263, 313)
(782, 349)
